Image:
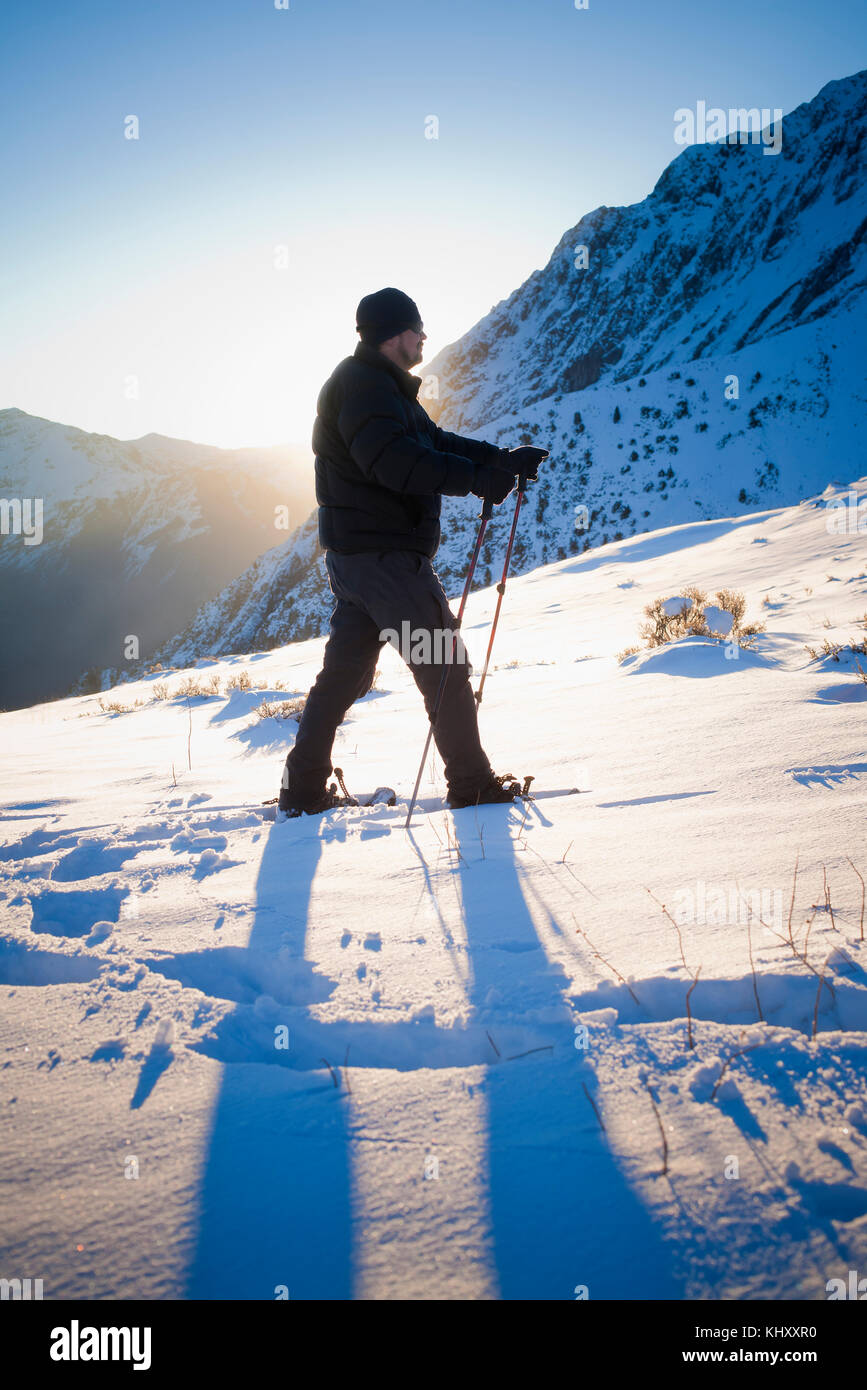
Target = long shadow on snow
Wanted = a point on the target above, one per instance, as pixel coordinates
(562, 1212)
(274, 1197)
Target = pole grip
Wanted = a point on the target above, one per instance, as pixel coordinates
(487, 509)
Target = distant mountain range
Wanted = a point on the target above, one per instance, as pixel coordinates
(135, 536)
(706, 362)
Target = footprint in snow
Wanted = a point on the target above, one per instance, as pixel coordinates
(74, 912)
(210, 862)
(23, 965)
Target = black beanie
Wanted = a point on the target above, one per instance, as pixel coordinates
(384, 314)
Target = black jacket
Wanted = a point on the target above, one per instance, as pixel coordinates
(381, 462)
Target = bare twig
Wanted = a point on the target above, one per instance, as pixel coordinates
(452, 840)
(595, 1107)
(826, 895)
(491, 1041)
(566, 851)
(741, 1052)
(689, 1038)
(661, 1131)
(810, 921)
(674, 924)
(820, 976)
(480, 830)
(830, 905)
(752, 963)
(549, 1047)
(852, 866)
(787, 941)
(568, 869)
(792, 903)
(818, 993)
(331, 1069)
(599, 956)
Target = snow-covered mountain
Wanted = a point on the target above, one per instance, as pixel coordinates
(133, 537)
(708, 361)
(733, 248)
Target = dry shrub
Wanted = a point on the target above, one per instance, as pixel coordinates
(241, 681)
(661, 627)
(116, 707)
(282, 709)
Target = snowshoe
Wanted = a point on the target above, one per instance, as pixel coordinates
(494, 791)
(287, 810)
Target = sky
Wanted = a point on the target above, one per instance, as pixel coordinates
(201, 280)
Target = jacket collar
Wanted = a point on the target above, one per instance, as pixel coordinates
(408, 384)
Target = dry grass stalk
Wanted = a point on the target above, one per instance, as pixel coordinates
(595, 1107)
(333, 1072)
(661, 1131)
(818, 993)
(741, 1052)
(599, 956)
(852, 866)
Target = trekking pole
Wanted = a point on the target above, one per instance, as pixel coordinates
(485, 514)
(501, 587)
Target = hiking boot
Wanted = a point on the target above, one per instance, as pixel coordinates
(289, 807)
(493, 791)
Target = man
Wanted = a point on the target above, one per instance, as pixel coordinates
(382, 467)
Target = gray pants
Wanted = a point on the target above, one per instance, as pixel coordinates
(377, 592)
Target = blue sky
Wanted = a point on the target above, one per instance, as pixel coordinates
(139, 284)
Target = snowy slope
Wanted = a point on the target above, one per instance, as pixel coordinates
(135, 535)
(431, 1129)
(708, 361)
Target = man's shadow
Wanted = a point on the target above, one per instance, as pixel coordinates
(274, 1209)
(562, 1213)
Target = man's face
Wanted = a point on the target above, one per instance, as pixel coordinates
(411, 346)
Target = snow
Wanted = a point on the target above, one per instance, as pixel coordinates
(672, 606)
(718, 619)
(360, 1062)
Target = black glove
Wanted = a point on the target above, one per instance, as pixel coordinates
(492, 483)
(526, 460)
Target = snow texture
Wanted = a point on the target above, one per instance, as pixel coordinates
(336, 1059)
